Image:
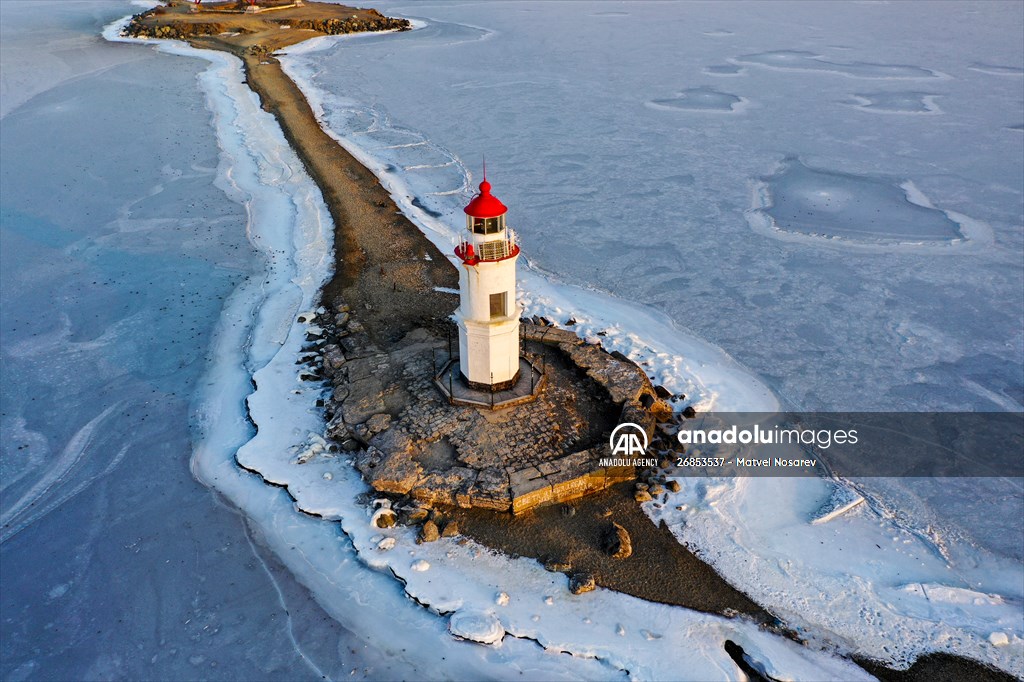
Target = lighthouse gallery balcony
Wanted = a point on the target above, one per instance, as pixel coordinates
(494, 250)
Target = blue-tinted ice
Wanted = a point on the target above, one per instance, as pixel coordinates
(997, 69)
(831, 204)
(800, 60)
(700, 99)
(897, 102)
(117, 251)
(724, 70)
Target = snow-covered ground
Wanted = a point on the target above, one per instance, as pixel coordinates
(642, 150)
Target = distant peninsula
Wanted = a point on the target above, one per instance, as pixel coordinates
(241, 27)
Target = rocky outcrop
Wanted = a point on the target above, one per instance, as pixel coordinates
(626, 383)
(160, 23)
(408, 441)
(141, 26)
(353, 25)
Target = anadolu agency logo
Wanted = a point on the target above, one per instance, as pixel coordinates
(628, 444)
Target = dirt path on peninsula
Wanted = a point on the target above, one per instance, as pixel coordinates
(380, 264)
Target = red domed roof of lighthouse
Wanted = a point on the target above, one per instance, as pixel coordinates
(485, 204)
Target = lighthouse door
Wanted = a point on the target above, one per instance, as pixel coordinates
(498, 302)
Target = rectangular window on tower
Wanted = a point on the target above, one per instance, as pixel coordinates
(498, 304)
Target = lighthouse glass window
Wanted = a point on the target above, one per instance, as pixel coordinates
(487, 225)
(498, 305)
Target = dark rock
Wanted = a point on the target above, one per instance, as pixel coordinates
(619, 356)
(642, 496)
(568, 510)
(361, 433)
(689, 412)
(429, 532)
(413, 515)
(338, 430)
(571, 322)
(673, 486)
(557, 566)
(656, 490)
(663, 392)
(333, 357)
(451, 529)
(581, 582)
(617, 542)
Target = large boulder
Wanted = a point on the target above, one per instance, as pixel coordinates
(393, 473)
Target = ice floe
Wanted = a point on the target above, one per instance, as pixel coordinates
(801, 60)
(706, 99)
(843, 209)
(897, 103)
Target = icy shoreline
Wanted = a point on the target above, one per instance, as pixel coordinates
(260, 318)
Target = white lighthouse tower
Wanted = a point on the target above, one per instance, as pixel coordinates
(488, 315)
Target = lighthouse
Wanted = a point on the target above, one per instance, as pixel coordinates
(488, 315)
